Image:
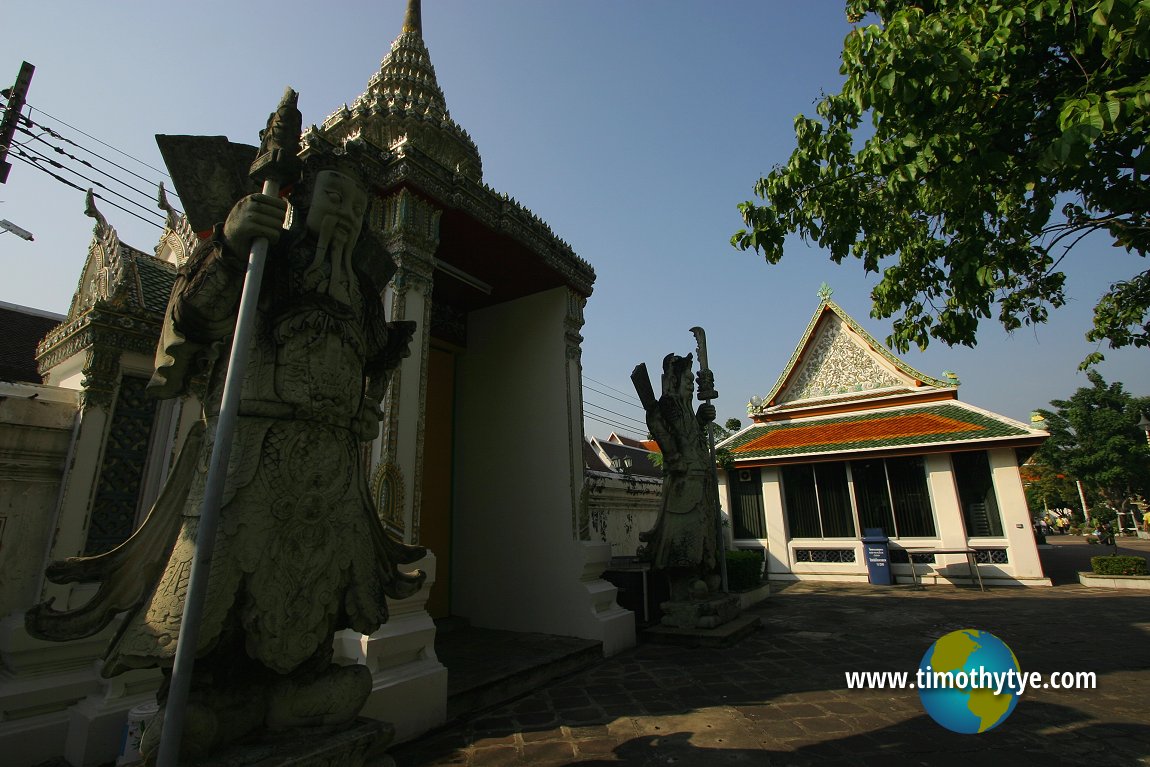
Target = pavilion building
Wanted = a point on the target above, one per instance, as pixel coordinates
(852, 439)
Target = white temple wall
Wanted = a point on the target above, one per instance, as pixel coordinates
(778, 552)
(518, 564)
(1022, 569)
(1023, 549)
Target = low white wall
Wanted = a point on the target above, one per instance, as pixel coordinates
(35, 435)
(620, 507)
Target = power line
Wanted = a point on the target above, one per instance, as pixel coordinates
(614, 412)
(631, 395)
(65, 153)
(20, 156)
(616, 422)
(57, 135)
(618, 399)
(614, 426)
(57, 164)
(98, 141)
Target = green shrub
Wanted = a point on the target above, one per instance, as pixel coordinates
(1111, 565)
(744, 569)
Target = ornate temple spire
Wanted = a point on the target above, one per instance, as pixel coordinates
(403, 101)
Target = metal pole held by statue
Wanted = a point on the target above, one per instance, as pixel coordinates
(276, 165)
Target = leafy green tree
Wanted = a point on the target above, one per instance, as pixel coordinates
(1094, 438)
(1001, 133)
(1046, 488)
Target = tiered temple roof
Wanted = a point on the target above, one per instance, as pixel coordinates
(403, 100)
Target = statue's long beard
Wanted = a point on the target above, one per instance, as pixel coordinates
(334, 247)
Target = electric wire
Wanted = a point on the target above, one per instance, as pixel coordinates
(614, 426)
(98, 141)
(28, 121)
(150, 196)
(19, 156)
(57, 135)
(61, 166)
(614, 413)
(630, 402)
(632, 396)
(622, 424)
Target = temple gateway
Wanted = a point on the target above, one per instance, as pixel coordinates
(498, 302)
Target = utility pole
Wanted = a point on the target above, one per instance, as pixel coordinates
(16, 96)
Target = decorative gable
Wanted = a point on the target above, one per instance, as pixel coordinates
(837, 361)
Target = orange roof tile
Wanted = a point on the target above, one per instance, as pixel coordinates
(863, 430)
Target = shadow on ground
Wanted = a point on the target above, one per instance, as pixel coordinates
(780, 696)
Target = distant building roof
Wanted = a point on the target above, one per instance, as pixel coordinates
(649, 445)
(593, 460)
(21, 329)
(615, 456)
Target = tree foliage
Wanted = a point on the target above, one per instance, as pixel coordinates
(1094, 437)
(1001, 132)
(1047, 488)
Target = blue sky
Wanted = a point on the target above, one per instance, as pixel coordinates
(634, 128)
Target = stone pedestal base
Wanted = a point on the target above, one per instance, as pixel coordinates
(728, 634)
(708, 613)
(351, 746)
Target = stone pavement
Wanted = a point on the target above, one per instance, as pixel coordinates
(780, 697)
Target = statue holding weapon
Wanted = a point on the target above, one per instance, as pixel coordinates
(685, 543)
(299, 552)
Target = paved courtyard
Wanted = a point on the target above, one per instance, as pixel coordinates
(780, 698)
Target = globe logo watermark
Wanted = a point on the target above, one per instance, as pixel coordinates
(969, 681)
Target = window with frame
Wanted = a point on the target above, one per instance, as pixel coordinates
(822, 500)
(976, 494)
(747, 517)
(818, 503)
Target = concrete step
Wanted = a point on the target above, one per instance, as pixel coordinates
(487, 667)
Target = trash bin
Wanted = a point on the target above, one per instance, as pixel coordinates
(877, 547)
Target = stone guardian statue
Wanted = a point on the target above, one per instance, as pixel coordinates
(300, 552)
(684, 542)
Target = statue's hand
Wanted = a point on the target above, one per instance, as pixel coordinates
(366, 424)
(255, 216)
(706, 413)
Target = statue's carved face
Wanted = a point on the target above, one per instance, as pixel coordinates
(687, 384)
(337, 206)
(336, 214)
